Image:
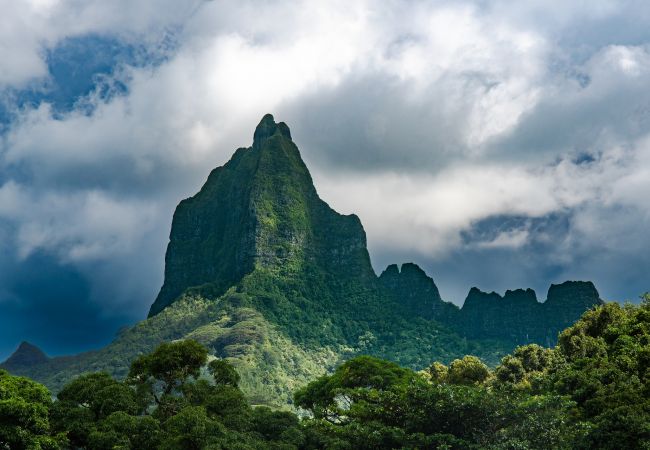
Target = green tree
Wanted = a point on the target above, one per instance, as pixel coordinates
(24, 408)
(191, 429)
(121, 430)
(511, 370)
(87, 400)
(100, 394)
(605, 369)
(277, 426)
(223, 373)
(159, 376)
(331, 396)
(170, 364)
(469, 370)
(181, 408)
(438, 372)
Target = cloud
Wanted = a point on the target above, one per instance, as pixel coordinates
(47, 303)
(507, 239)
(28, 28)
(495, 143)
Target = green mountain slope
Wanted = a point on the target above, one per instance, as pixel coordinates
(266, 274)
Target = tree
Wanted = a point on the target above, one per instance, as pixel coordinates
(24, 408)
(191, 429)
(159, 376)
(87, 400)
(170, 364)
(469, 370)
(511, 370)
(438, 372)
(330, 397)
(100, 394)
(167, 404)
(223, 373)
(277, 426)
(605, 369)
(222, 401)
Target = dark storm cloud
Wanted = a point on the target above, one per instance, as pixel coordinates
(47, 303)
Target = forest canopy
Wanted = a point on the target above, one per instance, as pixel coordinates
(591, 391)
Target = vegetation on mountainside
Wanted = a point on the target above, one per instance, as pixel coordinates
(318, 311)
(271, 366)
(592, 391)
(280, 332)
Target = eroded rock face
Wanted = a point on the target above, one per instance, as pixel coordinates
(519, 318)
(260, 210)
(567, 301)
(417, 292)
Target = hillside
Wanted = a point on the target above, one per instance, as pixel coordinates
(264, 273)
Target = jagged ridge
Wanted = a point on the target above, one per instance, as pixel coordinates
(518, 316)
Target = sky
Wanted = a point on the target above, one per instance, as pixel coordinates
(497, 144)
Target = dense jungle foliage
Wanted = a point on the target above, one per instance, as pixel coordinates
(591, 391)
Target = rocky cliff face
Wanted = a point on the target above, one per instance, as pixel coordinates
(416, 291)
(519, 318)
(567, 301)
(260, 210)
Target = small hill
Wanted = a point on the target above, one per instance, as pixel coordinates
(25, 356)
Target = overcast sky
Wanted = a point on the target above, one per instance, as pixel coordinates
(497, 144)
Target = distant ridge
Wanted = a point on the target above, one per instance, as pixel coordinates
(520, 318)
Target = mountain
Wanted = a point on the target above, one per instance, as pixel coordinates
(264, 273)
(519, 318)
(415, 291)
(26, 355)
(260, 211)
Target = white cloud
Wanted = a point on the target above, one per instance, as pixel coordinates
(28, 28)
(438, 114)
(506, 239)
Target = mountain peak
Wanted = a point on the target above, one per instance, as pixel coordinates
(571, 298)
(581, 292)
(25, 355)
(416, 291)
(266, 129)
(259, 211)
